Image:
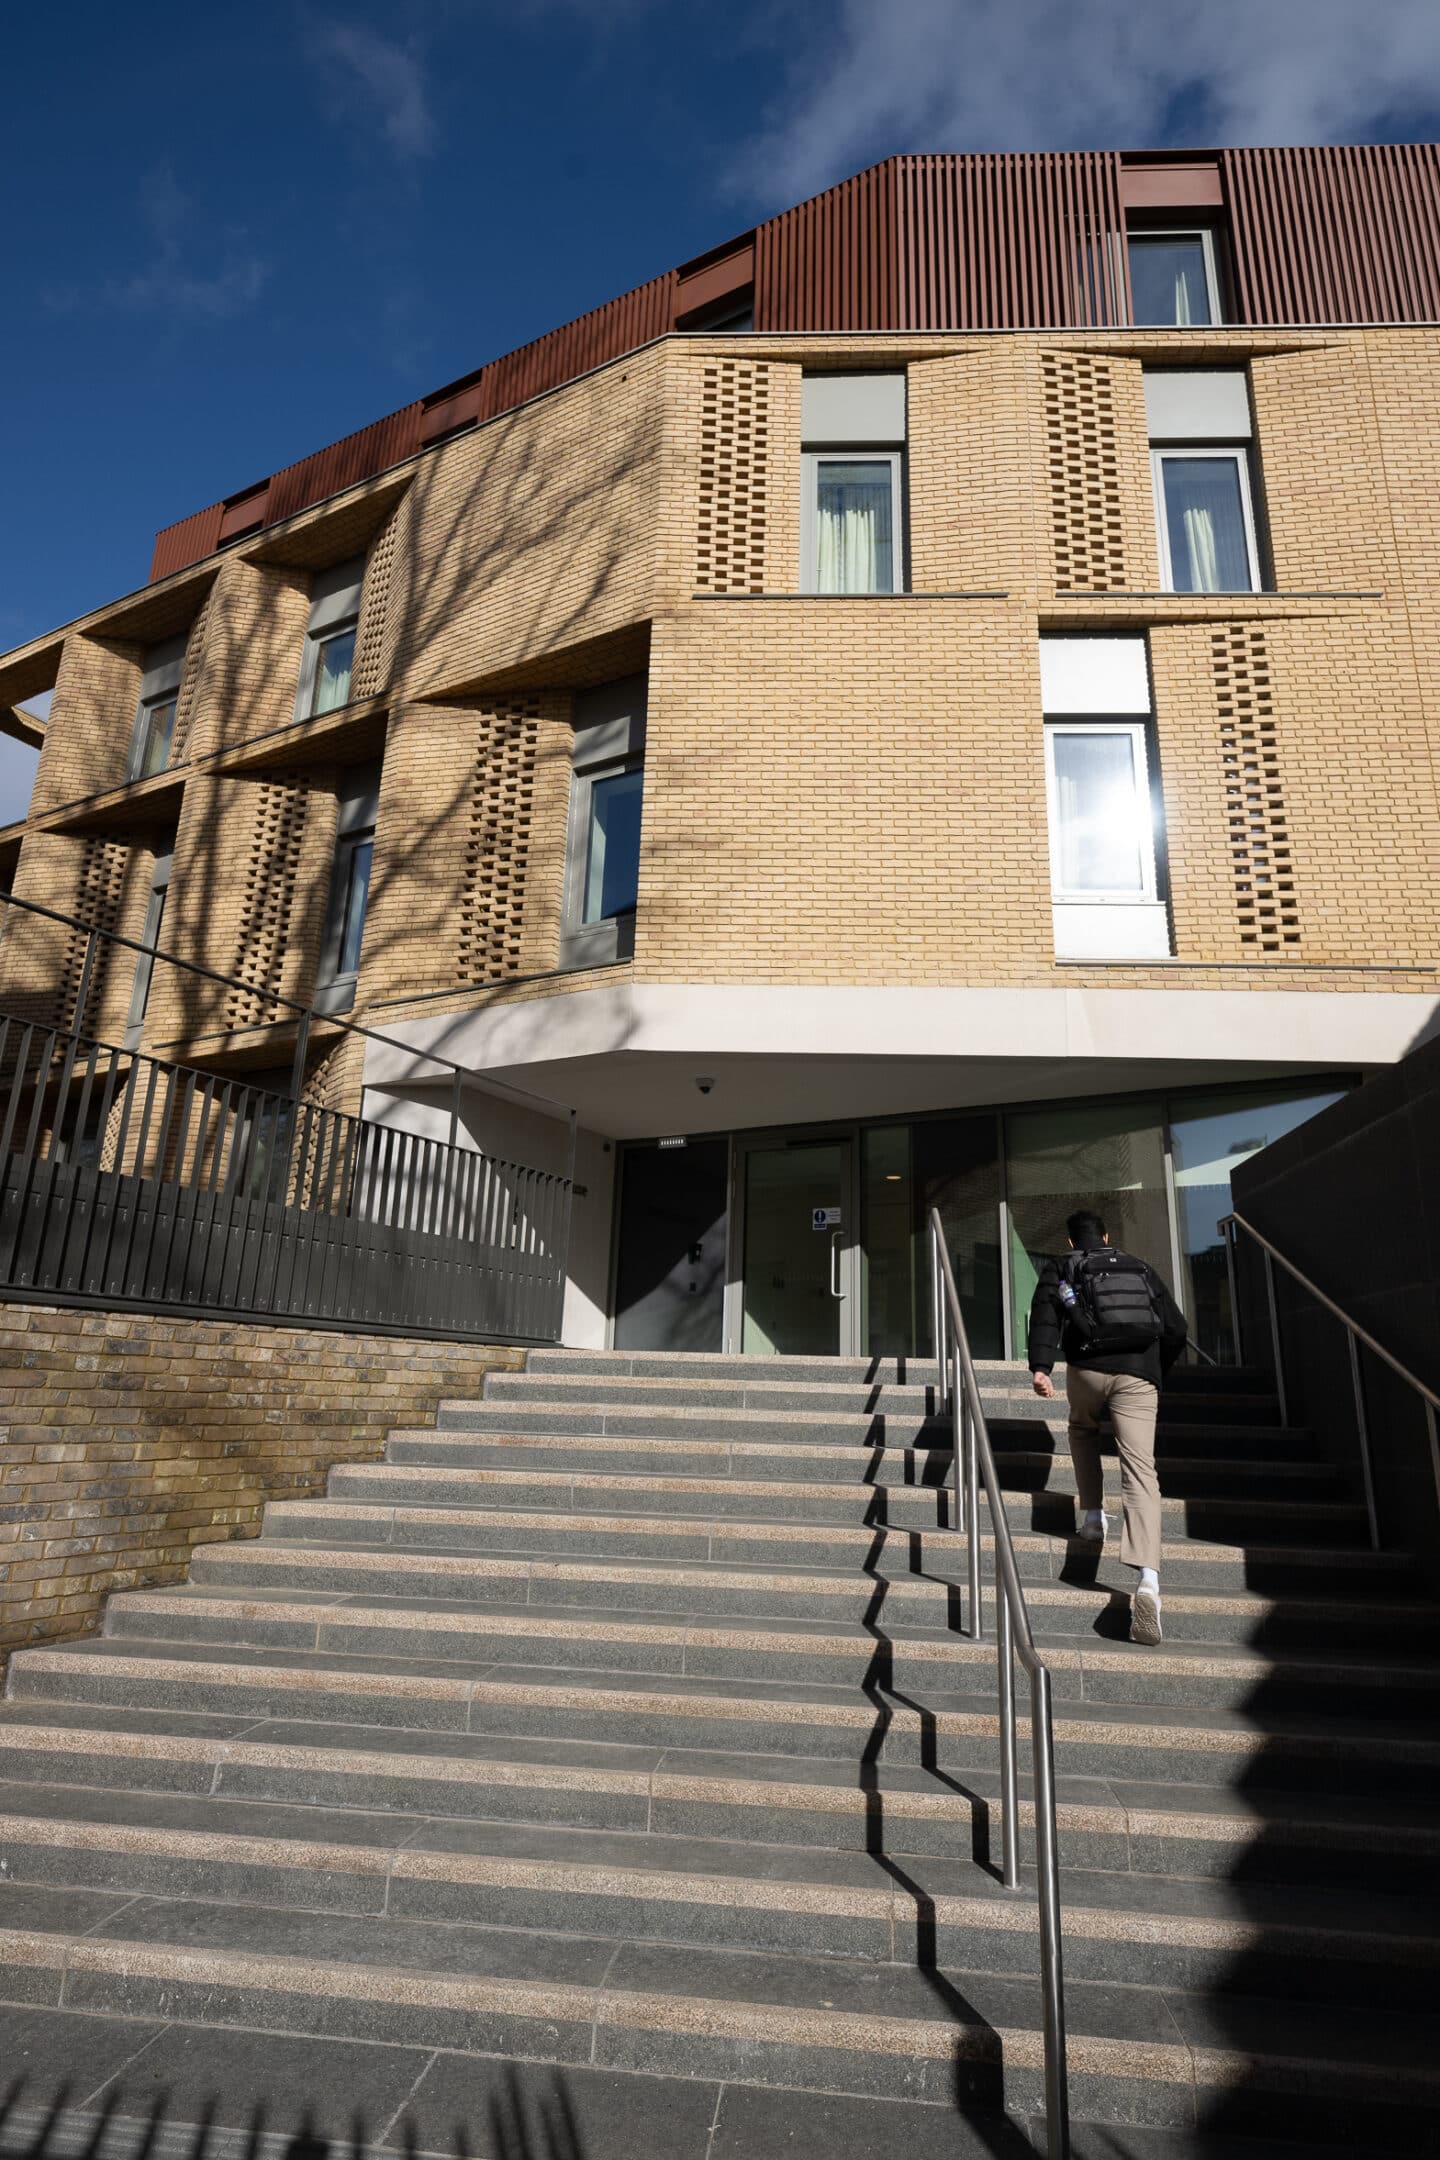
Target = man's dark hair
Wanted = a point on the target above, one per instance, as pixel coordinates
(1085, 1226)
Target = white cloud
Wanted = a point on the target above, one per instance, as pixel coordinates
(878, 76)
(171, 283)
(385, 78)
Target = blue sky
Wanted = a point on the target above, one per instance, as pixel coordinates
(234, 233)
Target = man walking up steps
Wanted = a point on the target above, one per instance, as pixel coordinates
(1120, 1331)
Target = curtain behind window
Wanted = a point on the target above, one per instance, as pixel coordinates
(1205, 516)
(854, 526)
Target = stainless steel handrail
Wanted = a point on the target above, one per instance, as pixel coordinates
(1355, 1335)
(959, 1393)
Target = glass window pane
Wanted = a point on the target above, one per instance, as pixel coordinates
(357, 893)
(1205, 522)
(156, 729)
(1104, 817)
(1167, 280)
(1107, 1156)
(612, 866)
(952, 1164)
(1209, 1135)
(333, 663)
(854, 525)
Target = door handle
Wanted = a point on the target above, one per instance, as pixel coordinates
(835, 1237)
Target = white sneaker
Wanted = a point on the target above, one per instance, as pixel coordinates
(1145, 1616)
(1093, 1526)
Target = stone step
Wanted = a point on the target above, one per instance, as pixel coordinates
(341, 1563)
(759, 2019)
(852, 1428)
(1204, 1672)
(659, 1887)
(1180, 1831)
(703, 1365)
(896, 1462)
(1277, 1489)
(761, 1395)
(880, 1554)
(1175, 1743)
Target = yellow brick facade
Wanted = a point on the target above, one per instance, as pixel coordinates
(837, 792)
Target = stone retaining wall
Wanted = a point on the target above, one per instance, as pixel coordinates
(126, 1440)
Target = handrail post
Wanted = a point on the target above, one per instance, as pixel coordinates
(1009, 1767)
(1362, 1428)
(972, 1506)
(959, 1416)
(1232, 1274)
(1276, 1353)
(1052, 1976)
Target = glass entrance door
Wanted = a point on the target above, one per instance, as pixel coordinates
(798, 1250)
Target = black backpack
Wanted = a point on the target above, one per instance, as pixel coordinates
(1114, 1307)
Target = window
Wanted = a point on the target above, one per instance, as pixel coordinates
(329, 657)
(1173, 278)
(1105, 886)
(155, 720)
(852, 514)
(149, 938)
(1101, 845)
(602, 878)
(344, 931)
(1200, 454)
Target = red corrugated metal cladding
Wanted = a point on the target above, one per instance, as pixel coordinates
(1336, 235)
(965, 243)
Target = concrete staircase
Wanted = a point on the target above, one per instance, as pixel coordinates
(621, 1724)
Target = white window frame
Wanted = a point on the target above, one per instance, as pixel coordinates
(608, 744)
(850, 454)
(359, 802)
(1148, 893)
(1205, 234)
(159, 687)
(1239, 455)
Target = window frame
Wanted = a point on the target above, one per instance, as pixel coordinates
(1240, 454)
(811, 458)
(359, 802)
(330, 619)
(611, 744)
(1205, 234)
(1148, 894)
(160, 680)
(150, 939)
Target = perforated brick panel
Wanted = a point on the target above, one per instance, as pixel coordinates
(497, 845)
(370, 644)
(1086, 506)
(272, 867)
(734, 460)
(1260, 849)
(100, 893)
(189, 682)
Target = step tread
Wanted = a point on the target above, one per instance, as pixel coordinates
(1190, 1658)
(653, 1866)
(357, 1750)
(836, 1704)
(1154, 2032)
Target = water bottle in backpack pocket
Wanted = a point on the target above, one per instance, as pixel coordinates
(1110, 1301)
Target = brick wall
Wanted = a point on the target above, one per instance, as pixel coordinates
(126, 1441)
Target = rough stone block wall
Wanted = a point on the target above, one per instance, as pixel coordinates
(127, 1441)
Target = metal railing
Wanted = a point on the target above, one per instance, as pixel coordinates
(959, 1394)
(1356, 1338)
(132, 1182)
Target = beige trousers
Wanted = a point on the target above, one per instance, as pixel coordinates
(1133, 1405)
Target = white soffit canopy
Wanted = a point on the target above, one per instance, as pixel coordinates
(1107, 676)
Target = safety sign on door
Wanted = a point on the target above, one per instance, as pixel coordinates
(824, 1218)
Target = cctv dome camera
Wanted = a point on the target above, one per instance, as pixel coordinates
(705, 1085)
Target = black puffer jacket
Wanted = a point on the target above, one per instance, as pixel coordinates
(1053, 1334)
